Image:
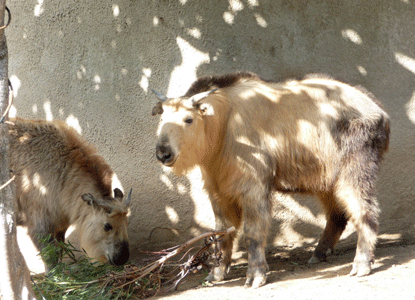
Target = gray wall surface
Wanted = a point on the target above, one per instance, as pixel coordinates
(93, 63)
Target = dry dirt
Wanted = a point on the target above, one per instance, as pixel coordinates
(290, 277)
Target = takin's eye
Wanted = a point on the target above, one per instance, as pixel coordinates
(107, 227)
(188, 120)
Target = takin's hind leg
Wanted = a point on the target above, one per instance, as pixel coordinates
(335, 225)
(223, 220)
(362, 207)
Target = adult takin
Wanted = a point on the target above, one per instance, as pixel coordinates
(251, 137)
(61, 181)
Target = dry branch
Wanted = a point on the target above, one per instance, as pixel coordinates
(7, 183)
(132, 274)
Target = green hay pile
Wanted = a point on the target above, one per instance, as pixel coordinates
(84, 279)
(81, 278)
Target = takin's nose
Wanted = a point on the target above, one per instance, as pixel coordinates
(122, 255)
(164, 154)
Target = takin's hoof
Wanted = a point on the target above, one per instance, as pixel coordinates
(214, 277)
(256, 282)
(218, 273)
(314, 260)
(360, 269)
(319, 256)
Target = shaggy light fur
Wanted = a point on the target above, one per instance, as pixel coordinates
(252, 137)
(61, 181)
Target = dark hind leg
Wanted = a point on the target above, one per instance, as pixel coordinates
(355, 192)
(335, 225)
(225, 218)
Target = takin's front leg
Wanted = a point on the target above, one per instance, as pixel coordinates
(224, 218)
(256, 217)
(39, 229)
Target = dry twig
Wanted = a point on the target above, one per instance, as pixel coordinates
(130, 278)
(7, 183)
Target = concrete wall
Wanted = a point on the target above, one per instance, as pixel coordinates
(92, 63)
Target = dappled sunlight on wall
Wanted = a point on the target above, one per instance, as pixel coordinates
(352, 35)
(202, 207)
(73, 122)
(48, 110)
(92, 65)
(172, 214)
(144, 79)
(290, 209)
(410, 108)
(203, 210)
(97, 80)
(16, 84)
(405, 61)
(236, 6)
(29, 251)
(38, 8)
(115, 10)
(192, 59)
(409, 64)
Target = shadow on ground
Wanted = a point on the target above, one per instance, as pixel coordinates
(287, 265)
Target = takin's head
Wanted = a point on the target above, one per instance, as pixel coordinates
(104, 231)
(181, 130)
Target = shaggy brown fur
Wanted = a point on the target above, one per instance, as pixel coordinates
(62, 181)
(252, 137)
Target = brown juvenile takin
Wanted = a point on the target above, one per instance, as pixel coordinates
(62, 181)
(251, 137)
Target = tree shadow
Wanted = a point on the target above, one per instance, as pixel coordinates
(287, 264)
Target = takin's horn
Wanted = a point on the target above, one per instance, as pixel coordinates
(196, 98)
(90, 200)
(127, 200)
(158, 108)
(160, 96)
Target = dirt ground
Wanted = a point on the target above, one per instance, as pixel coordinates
(290, 277)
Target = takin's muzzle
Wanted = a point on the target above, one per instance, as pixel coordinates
(122, 254)
(165, 154)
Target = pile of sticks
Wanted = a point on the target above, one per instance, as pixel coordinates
(162, 275)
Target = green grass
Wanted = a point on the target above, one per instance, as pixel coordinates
(77, 279)
(83, 279)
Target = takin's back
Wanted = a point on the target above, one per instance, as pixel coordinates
(299, 130)
(53, 167)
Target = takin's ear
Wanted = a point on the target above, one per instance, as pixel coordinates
(157, 109)
(118, 194)
(206, 109)
(88, 198)
(95, 203)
